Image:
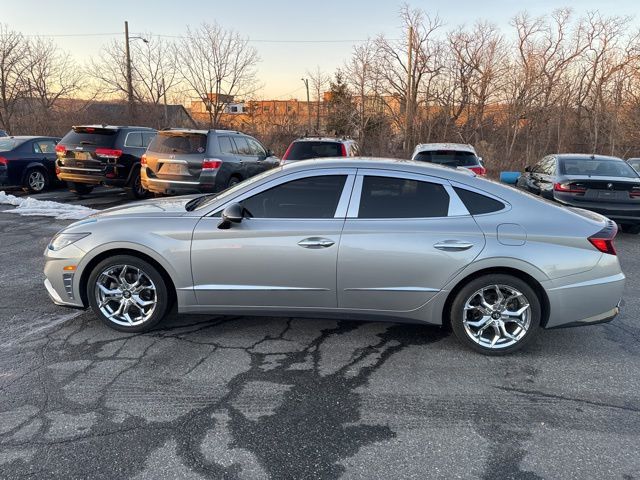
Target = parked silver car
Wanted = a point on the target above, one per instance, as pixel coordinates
(371, 239)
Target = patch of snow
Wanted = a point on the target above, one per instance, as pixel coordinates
(28, 206)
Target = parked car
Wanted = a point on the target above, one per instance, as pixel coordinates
(450, 155)
(306, 148)
(3, 133)
(91, 155)
(606, 185)
(28, 162)
(181, 161)
(417, 242)
(635, 163)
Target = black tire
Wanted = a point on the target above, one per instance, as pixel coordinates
(233, 180)
(458, 314)
(161, 296)
(35, 180)
(80, 188)
(633, 229)
(135, 188)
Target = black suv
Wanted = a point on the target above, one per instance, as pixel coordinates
(180, 161)
(91, 155)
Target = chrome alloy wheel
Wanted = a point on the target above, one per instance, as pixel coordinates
(125, 295)
(496, 316)
(36, 181)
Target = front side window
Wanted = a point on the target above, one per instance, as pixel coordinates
(147, 138)
(389, 197)
(311, 197)
(256, 148)
(243, 146)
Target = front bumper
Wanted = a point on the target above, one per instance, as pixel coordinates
(62, 286)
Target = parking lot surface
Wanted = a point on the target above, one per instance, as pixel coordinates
(250, 398)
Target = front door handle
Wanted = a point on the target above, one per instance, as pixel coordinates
(316, 242)
(453, 245)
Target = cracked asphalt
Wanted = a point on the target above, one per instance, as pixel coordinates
(254, 398)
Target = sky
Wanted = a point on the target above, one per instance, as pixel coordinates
(291, 37)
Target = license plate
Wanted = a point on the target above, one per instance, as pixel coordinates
(612, 195)
(82, 156)
(174, 169)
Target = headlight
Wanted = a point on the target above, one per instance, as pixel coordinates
(62, 240)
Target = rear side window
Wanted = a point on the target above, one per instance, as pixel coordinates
(134, 139)
(476, 203)
(309, 149)
(226, 145)
(100, 137)
(182, 143)
(311, 197)
(449, 158)
(388, 197)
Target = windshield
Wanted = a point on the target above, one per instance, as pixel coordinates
(309, 149)
(179, 142)
(207, 200)
(596, 167)
(8, 144)
(450, 158)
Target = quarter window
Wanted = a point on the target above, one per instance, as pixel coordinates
(389, 197)
(311, 197)
(134, 139)
(476, 203)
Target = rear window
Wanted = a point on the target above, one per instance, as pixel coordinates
(596, 168)
(101, 137)
(305, 150)
(476, 203)
(179, 142)
(449, 158)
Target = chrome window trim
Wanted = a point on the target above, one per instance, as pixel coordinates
(456, 206)
(341, 209)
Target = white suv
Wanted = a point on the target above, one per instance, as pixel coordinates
(451, 155)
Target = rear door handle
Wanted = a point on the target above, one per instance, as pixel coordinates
(453, 245)
(316, 242)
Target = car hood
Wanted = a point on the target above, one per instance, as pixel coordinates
(174, 206)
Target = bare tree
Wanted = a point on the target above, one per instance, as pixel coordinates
(13, 66)
(319, 82)
(216, 65)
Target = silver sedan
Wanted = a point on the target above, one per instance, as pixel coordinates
(362, 238)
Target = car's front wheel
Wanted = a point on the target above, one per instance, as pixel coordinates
(496, 314)
(128, 293)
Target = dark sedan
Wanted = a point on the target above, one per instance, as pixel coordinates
(28, 162)
(605, 185)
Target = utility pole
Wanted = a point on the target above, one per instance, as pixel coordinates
(129, 81)
(408, 108)
(306, 84)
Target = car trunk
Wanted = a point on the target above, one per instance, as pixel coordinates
(602, 189)
(176, 156)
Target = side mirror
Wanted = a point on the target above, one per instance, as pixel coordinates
(527, 168)
(234, 213)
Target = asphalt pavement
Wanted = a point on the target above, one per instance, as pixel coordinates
(253, 398)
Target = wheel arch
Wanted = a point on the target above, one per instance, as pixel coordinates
(86, 272)
(530, 280)
(35, 166)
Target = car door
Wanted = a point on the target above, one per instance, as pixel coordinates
(284, 254)
(47, 150)
(264, 161)
(404, 238)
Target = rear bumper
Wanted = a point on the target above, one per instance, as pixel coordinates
(620, 212)
(78, 175)
(179, 187)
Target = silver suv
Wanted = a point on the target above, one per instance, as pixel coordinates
(306, 148)
(181, 161)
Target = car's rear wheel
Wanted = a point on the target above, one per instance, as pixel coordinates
(496, 314)
(234, 180)
(35, 180)
(136, 190)
(630, 228)
(80, 188)
(128, 293)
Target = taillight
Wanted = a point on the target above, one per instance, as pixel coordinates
(603, 240)
(108, 153)
(479, 170)
(3, 161)
(61, 150)
(143, 159)
(635, 192)
(286, 154)
(211, 164)
(343, 150)
(568, 188)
